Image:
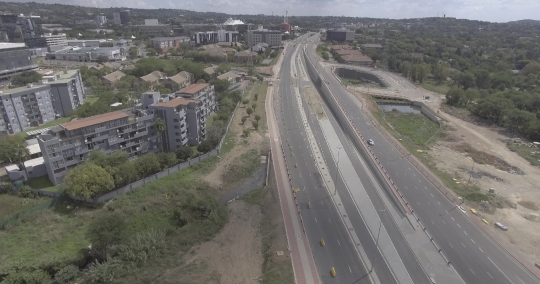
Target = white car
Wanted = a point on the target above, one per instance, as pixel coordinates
(462, 209)
(370, 142)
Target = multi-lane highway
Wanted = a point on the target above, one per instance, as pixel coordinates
(474, 255)
(334, 214)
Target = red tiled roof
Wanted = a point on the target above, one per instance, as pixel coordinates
(176, 102)
(93, 120)
(192, 89)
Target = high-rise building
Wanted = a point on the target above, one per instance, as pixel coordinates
(101, 20)
(14, 59)
(21, 28)
(125, 17)
(116, 18)
(272, 38)
(34, 104)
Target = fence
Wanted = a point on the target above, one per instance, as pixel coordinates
(110, 195)
(42, 206)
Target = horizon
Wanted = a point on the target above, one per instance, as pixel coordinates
(494, 11)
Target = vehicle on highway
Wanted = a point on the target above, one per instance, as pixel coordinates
(501, 226)
(485, 221)
(461, 208)
(474, 211)
(370, 142)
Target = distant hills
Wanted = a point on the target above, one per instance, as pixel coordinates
(526, 22)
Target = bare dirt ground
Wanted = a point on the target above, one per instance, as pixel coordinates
(512, 177)
(314, 101)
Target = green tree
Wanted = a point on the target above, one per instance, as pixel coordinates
(223, 68)
(167, 159)
(184, 153)
(245, 102)
(246, 132)
(531, 68)
(147, 165)
(25, 78)
(204, 147)
(104, 231)
(125, 173)
(133, 52)
(483, 80)
(519, 120)
(255, 124)
(467, 80)
(244, 120)
(13, 149)
(249, 111)
(36, 276)
(254, 106)
(221, 85)
(422, 72)
(257, 117)
(325, 55)
(160, 127)
(67, 274)
(151, 52)
(102, 59)
(493, 108)
(440, 72)
(88, 180)
(108, 161)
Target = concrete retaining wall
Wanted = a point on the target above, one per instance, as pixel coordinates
(359, 75)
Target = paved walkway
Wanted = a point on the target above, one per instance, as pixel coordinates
(299, 249)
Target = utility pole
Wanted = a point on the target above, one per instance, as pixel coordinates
(377, 242)
(337, 169)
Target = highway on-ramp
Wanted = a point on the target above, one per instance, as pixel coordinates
(474, 255)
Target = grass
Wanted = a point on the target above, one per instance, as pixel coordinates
(228, 144)
(210, 120)
(532, 155)
(431, 85)
(275, 60)
(11, 204)
(43, 183)
(56, 236)
(417, 132)
(45, 125)
(91, 99)
(243, 167)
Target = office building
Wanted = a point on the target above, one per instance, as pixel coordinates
(125, 17)
(21, 28)
(153, 31)
(206, 37)
(228, 36)
(163, 44)
(85, 42)
(34, 104)
(340, 35)
(151, 22)
(101, 20)
(88, 54)
(66, 145)
(116, 18)
(14, 59)
(272, 38)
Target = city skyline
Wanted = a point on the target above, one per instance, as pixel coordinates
(484, 10)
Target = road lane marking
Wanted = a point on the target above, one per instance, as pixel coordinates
(428, 203)
(350, 269)
(439, 202)
(465, 233)
(316, 220)
(322, 203)
(338, 242)
(453, 219)
(432, 222)
(489, 274)
(462, 244)
(329, 220)
(431, 194)
(473, 241)
(520, 279)
(472, 271)
(458, 225)
(418, 202)
(451, 245)
(480, 249)
(443, 221)
(500, 270)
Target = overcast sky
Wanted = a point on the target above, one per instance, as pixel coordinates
(486, 10)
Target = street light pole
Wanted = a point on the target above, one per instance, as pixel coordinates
(377, 242)
(337, 169)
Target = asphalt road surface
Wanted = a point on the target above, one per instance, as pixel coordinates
(474, 255)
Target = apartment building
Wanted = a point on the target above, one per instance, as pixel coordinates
(203, 92)
(22, 28)
(66, 145)
(272, 38)
(35, 104)
(186, 125)
(163, 44)
(14, 59)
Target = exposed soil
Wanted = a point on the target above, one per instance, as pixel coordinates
(314, 101)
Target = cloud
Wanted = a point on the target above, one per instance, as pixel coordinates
(486, 10)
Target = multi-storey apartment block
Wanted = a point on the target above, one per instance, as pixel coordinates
(35, 104)
(203, 92)
(14, 59)
(66, 145)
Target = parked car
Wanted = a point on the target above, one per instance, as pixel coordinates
(501, 226)
(474, 211)
(370, 142)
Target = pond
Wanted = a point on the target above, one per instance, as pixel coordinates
(400, 108)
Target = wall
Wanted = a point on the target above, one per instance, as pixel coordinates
(356, 74)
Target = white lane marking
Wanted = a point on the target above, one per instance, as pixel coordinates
(472, 271)
(489, 274)
(338, 243)
(458, 225)
(465, 233)
(452, 218)
(451, 245)
(418, 202)
(428, 204)
(322, 203)
(432, 222)
(520, 279)
(316, 220)
(500, 270)
(426, 188)
(443, 221)
(462, 244)
(431, 194)
(480, 249)
(419, 181)
(329, 220)
(350, 269)
(473, 241)
(439, 202)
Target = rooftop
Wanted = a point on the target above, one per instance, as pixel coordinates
(6, 45)
(231, 22)
(93, 120)
(176, 102)
(169, 38)
(192, 89)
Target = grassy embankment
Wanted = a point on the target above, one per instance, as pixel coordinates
(417, 133)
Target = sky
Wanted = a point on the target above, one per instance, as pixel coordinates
(484, 10)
